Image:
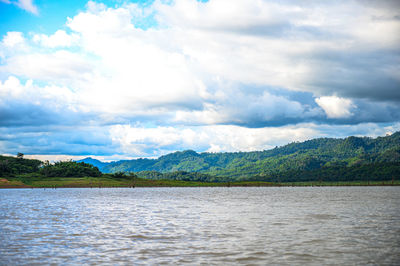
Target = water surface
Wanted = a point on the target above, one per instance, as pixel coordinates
(289, 225)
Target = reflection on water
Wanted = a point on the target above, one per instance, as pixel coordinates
(328, 225)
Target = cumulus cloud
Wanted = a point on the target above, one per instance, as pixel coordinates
(324, 48)
(160, 140)
(31, 105)
(336, 107)
(60, 67)
(12, 43)
(59, 39)
(249, 107)
(191, 66)
(12, 39)
(153, 142)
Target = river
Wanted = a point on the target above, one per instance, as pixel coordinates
(192, 226)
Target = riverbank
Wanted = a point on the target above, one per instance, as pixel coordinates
(69, 182)
(87, 182)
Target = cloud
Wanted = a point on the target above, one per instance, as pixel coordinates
(251, 107)
(161, 140)
(35, 106)
(133, 141)
(59, 39)
(26, 5)
(58, 140)
(13, 39)
(12, 43)
(324, 48)
(174, 71)
(336, 107)
(153, 142)
(356, 73)
(215, 75)
(60, 67)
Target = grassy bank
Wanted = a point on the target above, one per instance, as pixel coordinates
(106, 181)
(342, 183)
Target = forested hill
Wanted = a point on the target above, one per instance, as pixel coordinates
(322, 153)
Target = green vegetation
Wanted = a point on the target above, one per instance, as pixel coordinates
(111, 181)
(69, 169)
(343, 183)
(319, 161)
(179, 175)
(334, 173)
(107, 181)
(352, 158)
(11, 166)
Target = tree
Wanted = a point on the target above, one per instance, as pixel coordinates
(69, 169)
(20, 155)
(4, 167)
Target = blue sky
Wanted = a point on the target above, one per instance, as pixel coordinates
(127, 79)
(49, 17)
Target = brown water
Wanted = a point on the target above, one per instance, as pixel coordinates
(258, 226)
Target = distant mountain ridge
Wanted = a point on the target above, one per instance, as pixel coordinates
(99, 164)
(298, 156)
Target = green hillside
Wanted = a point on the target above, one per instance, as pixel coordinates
(324, 159)
(11, 166)
(308, 159)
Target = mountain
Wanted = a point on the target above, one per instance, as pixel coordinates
(94, 162)
(316, 155)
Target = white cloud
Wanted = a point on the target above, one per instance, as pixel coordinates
(13, 38)
(336, 107)
(59, 39)
(58, 98)
(189, 61)
(223, 15)
(217, 65)
(53, 157)
(57, 158)
(363, 129)
(26, 5)
(62, 67)
(160, 140)
(12, 43)
(284, 43)
(237, 106)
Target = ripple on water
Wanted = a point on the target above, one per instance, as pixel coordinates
(201, 226)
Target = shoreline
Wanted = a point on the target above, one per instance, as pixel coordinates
(108, 182)
(199, 186)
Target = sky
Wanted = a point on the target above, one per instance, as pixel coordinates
(127, 79)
